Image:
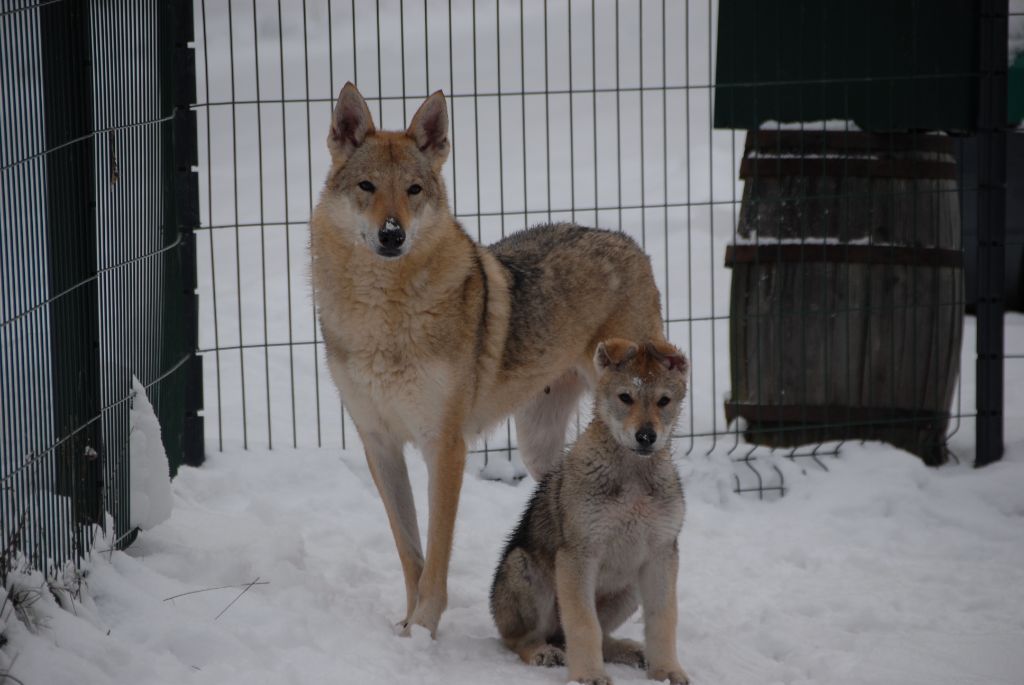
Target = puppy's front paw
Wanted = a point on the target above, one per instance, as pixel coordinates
(627, 652)
(675, 674)
(548, 655)
(596, 677)
(597, 680)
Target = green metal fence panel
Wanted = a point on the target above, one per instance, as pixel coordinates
(97, 261)
(605, 113)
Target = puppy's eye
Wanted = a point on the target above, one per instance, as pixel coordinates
(626, 399)
(664, 401)
(367, 186)
(414, 189)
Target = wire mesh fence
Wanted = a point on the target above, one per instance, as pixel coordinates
(557, 113)
(604, 113)
(812, 271)
(95, 264)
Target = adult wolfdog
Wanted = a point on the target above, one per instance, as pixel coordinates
(432, 339)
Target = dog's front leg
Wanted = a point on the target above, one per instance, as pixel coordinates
(575, 580)
(658, 595)
(387, 466)
(446, 461)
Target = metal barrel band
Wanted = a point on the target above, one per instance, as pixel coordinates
(809, 252)
(801, 416)
(844, 142)
(845, 167)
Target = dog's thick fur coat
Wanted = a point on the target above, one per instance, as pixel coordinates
(431, 339)
(599, 537)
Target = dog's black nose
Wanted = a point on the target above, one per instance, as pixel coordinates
(391, 235)
(645, 437)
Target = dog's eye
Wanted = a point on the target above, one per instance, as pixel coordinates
(626, 399)
(414, 189)
(367, 186)
(663, 401)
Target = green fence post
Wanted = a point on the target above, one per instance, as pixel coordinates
(181, 393)
(991, 229)
(71, 233)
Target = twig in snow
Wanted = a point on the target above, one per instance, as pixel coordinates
(113, 546)
(4, 677)
(220, 587)
(247, 588)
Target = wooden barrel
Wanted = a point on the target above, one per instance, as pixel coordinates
(847, 290)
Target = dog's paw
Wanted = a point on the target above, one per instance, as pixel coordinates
(593, 678)
(410, 630)
(427, 615)
(597, 680)
(548, 655)
(627, 652)
(429, 608)
(675, 675)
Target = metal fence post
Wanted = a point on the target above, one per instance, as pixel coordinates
(991, 208)
(183, 429)
(186, 159)
(71, 253)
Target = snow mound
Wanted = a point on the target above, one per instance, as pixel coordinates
(150, 473)
(506, 470)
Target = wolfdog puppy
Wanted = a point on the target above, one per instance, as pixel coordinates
(598, 538)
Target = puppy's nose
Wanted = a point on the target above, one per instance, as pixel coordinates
(645, 437)
(391, 234)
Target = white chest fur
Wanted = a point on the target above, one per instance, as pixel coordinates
(389, 377)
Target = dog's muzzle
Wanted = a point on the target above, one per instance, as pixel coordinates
(390, 238)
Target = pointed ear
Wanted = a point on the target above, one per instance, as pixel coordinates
(350, 124)
(613, 352)
(429, 129)
(670, 357)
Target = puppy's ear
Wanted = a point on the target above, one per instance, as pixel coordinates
(429, 129)
(669, 356)
(613, 352)
(351, 123)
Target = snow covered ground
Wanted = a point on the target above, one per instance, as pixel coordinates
(880, 571)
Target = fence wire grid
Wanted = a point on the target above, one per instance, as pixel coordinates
(601, 113)
(807, 221)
